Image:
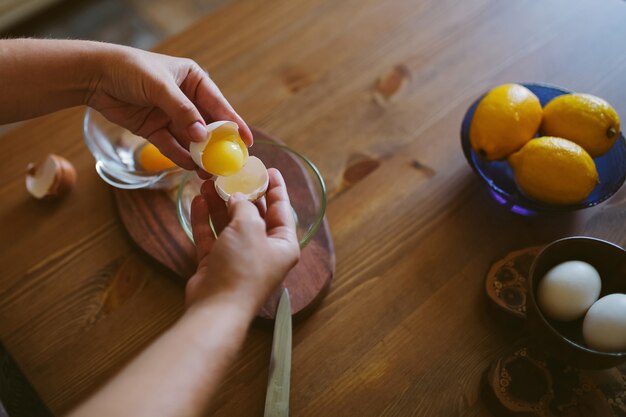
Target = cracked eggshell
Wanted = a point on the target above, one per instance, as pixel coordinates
(252, 181)
(52, 178)
(196, 149)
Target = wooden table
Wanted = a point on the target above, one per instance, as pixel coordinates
(374, 92)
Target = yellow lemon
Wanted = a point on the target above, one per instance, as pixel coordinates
(554, 170)
(587, 120)
(505, 119)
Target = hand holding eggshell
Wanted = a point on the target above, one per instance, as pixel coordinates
(224, 155)
(223, 152)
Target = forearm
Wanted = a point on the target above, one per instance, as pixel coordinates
(177, 375)
(39, 76)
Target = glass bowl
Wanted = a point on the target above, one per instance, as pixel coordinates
(114, 148)
(305, 185)
(498, 175)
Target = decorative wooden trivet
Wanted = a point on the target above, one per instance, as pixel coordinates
(523, 381)
(150, 218)
(507, 281)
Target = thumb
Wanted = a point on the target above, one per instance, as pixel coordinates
(240, 209)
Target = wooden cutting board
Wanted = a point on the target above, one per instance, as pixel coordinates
(151, 220)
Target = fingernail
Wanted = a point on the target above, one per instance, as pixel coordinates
(197, 131)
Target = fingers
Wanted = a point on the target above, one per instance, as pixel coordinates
(244, 130)
(217, 206)
(243, 211)
(214, 106)
(202, 233)
(279, 218)
(261, 205)
(186, 118)
(171, 148)
(203, 174)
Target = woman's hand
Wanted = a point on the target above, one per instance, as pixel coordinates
(164, 99)
(161, 98)
(252, 254)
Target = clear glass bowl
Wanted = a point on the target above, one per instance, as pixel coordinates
(114, 152)
(498, 175)
(305, 185)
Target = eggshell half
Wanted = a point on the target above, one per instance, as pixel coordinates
(252, 181)
(196, 149)
(52, 178)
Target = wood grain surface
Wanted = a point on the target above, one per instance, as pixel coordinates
(374, 93)
(150, 218)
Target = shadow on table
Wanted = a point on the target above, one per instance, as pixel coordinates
(18, 398)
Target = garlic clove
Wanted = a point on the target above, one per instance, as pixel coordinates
(252, 181)
(52, 178)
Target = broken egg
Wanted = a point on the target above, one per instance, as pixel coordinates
(52, 178)
(223, 153)
(150, 158)
(251, 181)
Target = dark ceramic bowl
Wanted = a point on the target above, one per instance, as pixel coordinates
(564, 340)
(498, 175)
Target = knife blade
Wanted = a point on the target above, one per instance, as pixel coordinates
(277, 396)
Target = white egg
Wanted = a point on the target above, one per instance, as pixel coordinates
(252, 181)
(196, 149)
(568, 290)
(604, 327)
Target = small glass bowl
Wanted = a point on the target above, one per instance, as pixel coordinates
(114, 151)
(498, 175)
(305, 185)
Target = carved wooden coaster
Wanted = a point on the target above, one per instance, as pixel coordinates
(507, 281)
(522, 382)
(151, 220)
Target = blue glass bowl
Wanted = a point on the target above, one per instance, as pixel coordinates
(499, 176)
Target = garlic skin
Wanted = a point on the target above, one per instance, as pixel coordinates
(52, 178)
(196, 149)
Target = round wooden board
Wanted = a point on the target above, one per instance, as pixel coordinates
(150, 218)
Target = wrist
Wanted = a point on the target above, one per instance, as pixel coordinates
(204, 291)
(229, 317)
(96, 59)
(228, 286)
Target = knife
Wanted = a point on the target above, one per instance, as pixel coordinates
(277, 397)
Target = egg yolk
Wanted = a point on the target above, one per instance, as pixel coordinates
(224, 155)
(151, 159)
